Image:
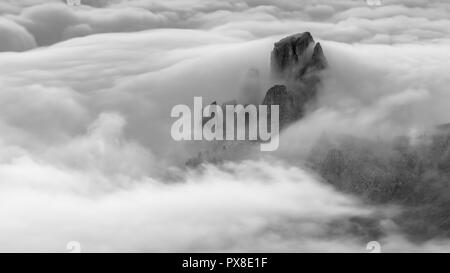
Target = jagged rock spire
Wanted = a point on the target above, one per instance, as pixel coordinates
(318, 59)
(294, 56)
(296, 62)
(289, 53)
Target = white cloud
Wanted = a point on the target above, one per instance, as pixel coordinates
(15, 37)
(280, 209)
(86, 147)
(320, 11)
(345, 21)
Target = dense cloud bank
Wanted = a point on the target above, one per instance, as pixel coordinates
(41, 23)
(86, 152)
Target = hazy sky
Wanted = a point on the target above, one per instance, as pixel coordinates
(85, 99)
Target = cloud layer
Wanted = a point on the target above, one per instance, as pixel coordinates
(49, 22)
(85, 100)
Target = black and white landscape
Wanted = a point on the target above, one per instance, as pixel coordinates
(87, 157)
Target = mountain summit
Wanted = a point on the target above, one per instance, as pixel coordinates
(295, 56)
(296, 63)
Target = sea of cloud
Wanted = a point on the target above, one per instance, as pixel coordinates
(85, 100)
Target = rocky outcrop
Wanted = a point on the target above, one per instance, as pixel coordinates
(296, 63)
(318, 60)
(290, 55)
(278, 95)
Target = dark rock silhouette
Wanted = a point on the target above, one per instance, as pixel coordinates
(296, 63)
(278, 95)
(290, 54)
(318, 60)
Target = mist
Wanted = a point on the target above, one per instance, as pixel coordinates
(85, 99)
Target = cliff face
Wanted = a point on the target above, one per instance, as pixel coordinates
(290, 55)
(278, 95)
(296, 63)
(296, 56)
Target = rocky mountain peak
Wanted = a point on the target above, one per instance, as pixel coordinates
(291, 55)
(318, 59)
(296, 63)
